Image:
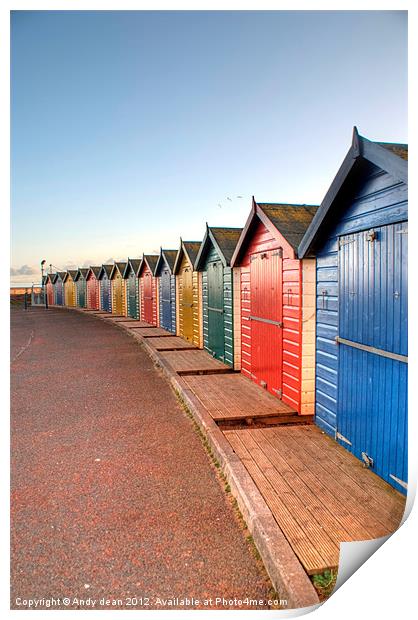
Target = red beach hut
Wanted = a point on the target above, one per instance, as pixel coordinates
(277, 295)
(93, 290)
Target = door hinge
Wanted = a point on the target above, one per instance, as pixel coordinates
(342, 438)
(403, 484)
(367, 460)
(342, 242)
(279, 392)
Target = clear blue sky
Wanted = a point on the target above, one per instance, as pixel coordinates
(130, 128)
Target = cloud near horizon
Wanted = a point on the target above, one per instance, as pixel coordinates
(24, 270)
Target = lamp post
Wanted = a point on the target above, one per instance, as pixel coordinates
(43, 284)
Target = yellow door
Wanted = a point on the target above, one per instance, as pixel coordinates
(117, 294)
(70, 293)
(186, 304)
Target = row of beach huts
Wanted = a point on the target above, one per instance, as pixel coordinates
(309, 302)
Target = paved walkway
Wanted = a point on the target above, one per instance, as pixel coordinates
(113, 495)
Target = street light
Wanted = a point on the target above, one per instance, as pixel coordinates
(43, 284)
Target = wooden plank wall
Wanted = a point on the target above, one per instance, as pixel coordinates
(228, 307)
(377, 199)
(197, 307)
(236, 313)
(308, 337)
(262, 240)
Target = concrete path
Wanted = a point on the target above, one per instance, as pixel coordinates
(113, 495)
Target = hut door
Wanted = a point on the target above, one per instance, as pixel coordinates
(266, 320)
(216, 335)
(132, 308)
(105, 294)
(147, 283)
(372, 350)
(187, 303)
(58, 288)
(165, 284)
(118, 295)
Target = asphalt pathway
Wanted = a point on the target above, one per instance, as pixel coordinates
(113, 496)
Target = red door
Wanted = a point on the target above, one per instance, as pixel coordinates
(266, 320)
(148, 300)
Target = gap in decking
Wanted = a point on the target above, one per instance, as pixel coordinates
(203, 371)
(195, 362)
(267, 422)
(175, 349)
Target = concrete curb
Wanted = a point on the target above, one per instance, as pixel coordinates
(286, 572)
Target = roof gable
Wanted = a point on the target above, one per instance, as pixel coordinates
(390, 157)
(189, 249)
(104, 269)
(119, 267)
(166, 258)
(93, 270)
(149, 260)
(286, 222)
(81, 274)
(224, 240)
(71, 273)
(132, 266)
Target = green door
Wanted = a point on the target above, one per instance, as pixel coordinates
(216, 331)
(132, 305)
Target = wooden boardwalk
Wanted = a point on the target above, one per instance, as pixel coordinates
(172, 343)
(194, 362)
(150, 332)
(319, 494)
(135, 324)
(233, 398)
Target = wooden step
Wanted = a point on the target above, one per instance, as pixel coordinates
(194, 362)
(234, 397)
(172, 343)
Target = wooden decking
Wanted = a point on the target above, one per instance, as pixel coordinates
(194, 362)
(152, 332)
(319, 494)
(171, 343)
(232, 398)
(135, 324)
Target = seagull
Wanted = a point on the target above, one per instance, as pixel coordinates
(219, 205)
(228, 198)
(239, 196)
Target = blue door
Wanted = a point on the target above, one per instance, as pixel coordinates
(58, 293)
(372, 341)
(165, 291)
(105, 292)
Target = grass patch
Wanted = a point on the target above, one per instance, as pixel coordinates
(324, 583)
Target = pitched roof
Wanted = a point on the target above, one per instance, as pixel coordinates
(289, 221)
(81, 272)
(95, 270)
(105, 269)
(150, 260)
(167, 257)
(191, 249)
(132, 264)
(61, 274)
(391, 157)
(119, 266)
(224, 240)
(72, 273)
(401, 150)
